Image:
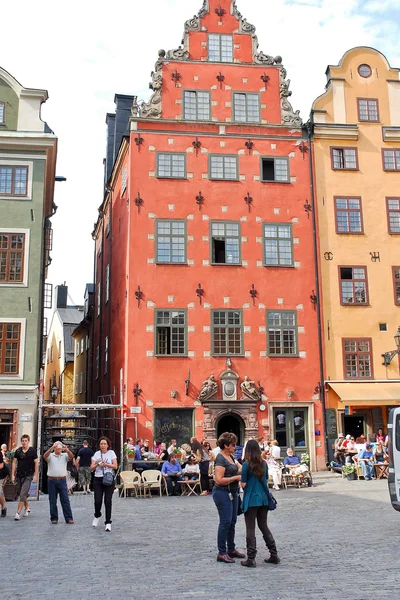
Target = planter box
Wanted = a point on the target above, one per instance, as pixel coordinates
(10, 491)
(352, 476)
(130, 459)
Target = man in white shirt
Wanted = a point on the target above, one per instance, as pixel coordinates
(57, 458)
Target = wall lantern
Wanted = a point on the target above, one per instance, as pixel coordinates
(389, 356)
(54, 392)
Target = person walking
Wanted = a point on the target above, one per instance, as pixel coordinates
(57, 457)
(24, 470)
(225, 495)
(103, 461)
(82, 463)
(3, 475)
(255, 504)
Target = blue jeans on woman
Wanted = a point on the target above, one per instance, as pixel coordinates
(227, 510)
(58, 487)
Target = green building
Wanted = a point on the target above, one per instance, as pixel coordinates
(28, 151)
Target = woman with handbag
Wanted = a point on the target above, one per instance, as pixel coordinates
(225, 496)
(257, 500)
(104, 463)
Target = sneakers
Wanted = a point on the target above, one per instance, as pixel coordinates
(95, 521)
(26, 512)
(275, 487)
(108, 527)
(3, 512)
(17, 517)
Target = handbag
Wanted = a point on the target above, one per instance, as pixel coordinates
(240, 505)
(108, 478)
(271, 501)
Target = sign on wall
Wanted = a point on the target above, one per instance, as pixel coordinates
(173, 424)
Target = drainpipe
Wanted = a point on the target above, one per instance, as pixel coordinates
(310, 129)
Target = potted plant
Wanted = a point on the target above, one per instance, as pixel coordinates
(305, 458)
(350, 471)
(178, 452)
(130, 453)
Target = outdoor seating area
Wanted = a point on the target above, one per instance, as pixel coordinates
(361, 458)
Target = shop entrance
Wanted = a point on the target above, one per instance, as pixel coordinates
(354, 425)
(233, 424)
(291, 430)
(5, 435)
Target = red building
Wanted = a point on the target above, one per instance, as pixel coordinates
(205, 315)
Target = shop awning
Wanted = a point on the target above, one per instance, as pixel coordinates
(368, 394)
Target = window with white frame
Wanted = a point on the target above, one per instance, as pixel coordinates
(220, 47)
(76, 383)
(12, 254)
(98, 299)
(2, 113)
(97, 361)
(246, 107)
(124, 179)
(107, 284)
(106, 356)
(80, 383)
(224, 166)
(82, 345)
(13, 180)
(196, 105)
(10, 347)
(77, 348)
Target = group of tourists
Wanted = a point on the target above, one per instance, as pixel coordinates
(368, 453)
(24, 472)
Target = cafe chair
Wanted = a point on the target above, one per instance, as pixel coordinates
(130, 481)
(152, 480)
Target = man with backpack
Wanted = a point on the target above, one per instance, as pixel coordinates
(3, 474)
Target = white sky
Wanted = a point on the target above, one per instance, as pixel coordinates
(83, 52)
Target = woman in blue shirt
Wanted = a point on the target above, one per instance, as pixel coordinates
(255, 504)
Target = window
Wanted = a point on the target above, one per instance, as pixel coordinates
(98, 299)
(107, 284)
(13, 181)
(353, 285)
(220, 47)
(275, 169)
(396, 285)
(97, 361)
(227, 332)
(365, 71)
(196, 105)
(171, 332)
(48, 295)
(246, 108)
(348, 215)
(87, 343)
(59, 349)
(82, 345)
(10, 339)
(367, 109)
(278, 244)
(171, 242)
(225, 243)
(282, 333)
(124, 178)
(51, 354)
(77, 348)
(106, 356)
(393, 214)
(12, 248)
(344, 158)
(391, 160)
(2, 113)
(171, 165)
(80, 383)
(357, 355)
(223, 166)
(76, 384)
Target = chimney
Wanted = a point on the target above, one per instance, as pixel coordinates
(61, 296)
(123, 105)
(109, 161)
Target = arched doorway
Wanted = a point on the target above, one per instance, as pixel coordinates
(233, 424)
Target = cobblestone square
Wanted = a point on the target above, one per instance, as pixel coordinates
(339, 539)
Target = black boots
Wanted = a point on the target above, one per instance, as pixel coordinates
(249, 562)
(273, 559)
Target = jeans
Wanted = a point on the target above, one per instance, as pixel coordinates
(227, 510)
(101, 490)
(367, 469)
(260, 513)
(57, 488)
(170, 487)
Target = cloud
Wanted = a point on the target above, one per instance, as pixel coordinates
(83, 52)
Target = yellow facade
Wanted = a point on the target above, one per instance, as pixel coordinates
(347, 311)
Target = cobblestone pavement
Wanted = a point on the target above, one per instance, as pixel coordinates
(337, 540)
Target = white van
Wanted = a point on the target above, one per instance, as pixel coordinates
(394, 457)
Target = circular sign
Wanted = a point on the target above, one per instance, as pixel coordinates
(229, 389)
(262, 407)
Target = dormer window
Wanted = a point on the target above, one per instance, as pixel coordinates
(2, 112)
(220, 48)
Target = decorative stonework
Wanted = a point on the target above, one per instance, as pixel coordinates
(289, 117)
(249, 389)
(244, 409)
(208, 389)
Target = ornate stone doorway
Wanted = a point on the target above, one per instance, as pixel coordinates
(232, 423)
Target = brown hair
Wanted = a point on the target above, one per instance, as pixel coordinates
(25, 437)
(226, 439)
(107, 440)
(252, 455)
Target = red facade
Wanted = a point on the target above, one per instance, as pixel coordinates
(210, 250)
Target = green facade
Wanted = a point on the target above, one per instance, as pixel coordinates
(10, 99)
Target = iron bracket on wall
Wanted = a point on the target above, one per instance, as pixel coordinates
(139, 295)
(139, 202)
(253, 293)
(200, 200)
(200, 292)
(139, 141)
(248, 199)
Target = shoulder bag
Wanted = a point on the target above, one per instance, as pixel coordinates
(108, 478)
(272, 502)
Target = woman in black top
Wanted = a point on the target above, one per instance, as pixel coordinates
(203, 459)
(225, 495)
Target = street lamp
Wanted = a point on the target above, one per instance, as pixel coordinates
(54, 392)
(388, 356)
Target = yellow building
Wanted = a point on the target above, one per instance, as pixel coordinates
(357, 175)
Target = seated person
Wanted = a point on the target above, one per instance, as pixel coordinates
(294, 466)
(291, 460)
(163, 454)
(338, 455)
(192, 469)
(380, 455)
(380, 436)
(365, 459)
(351, 450)
(274, 469)
(172, 472)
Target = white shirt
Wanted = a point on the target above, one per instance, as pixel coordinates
(275, 451)
(108, 457)
(57, 465)
(216, 451)
(171, 449)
